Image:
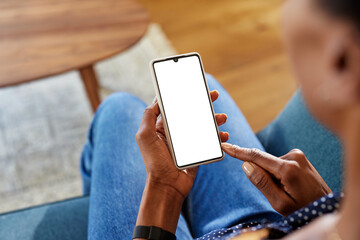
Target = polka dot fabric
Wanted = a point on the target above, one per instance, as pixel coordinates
(286, 225)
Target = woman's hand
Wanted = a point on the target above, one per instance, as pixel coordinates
(289, 182)
(166, 186)
(161, 170)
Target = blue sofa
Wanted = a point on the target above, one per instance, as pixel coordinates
(293, 128)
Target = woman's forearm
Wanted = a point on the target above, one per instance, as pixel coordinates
(160, 206)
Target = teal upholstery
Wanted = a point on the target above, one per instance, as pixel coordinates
(293, 128)
(55, 221)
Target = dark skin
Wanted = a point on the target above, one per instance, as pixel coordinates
(167, 187)
(316, 42)
(285, 181)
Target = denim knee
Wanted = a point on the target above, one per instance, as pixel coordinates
(118, 106)
(119, 100)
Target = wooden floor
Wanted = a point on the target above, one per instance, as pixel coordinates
(240, 44)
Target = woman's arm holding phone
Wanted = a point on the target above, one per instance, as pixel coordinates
(289, 182)
(166, 186)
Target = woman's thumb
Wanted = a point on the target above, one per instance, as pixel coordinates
(263, 181)
(258, 176)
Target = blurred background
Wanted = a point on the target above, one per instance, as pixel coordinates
(58, 60)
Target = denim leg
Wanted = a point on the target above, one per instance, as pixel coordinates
(222, 195)
(113, 170)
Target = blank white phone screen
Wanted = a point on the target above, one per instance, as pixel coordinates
(188, 111)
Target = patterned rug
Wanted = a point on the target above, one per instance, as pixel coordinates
(43, 124)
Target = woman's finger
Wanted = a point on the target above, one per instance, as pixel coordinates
(265, 183)
(224, 136)
(265, 160)
(214, 95)
(220, 118)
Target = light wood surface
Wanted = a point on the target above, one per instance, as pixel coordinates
(40, 38)
(239, 41)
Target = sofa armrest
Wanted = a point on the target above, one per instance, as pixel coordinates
(63, 220)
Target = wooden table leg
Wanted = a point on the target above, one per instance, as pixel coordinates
(91, 84)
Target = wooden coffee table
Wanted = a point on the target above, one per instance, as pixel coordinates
(40, 38)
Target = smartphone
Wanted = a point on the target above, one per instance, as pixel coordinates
(186, 108)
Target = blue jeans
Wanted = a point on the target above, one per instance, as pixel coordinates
(114, 174)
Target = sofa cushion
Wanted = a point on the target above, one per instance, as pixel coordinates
(63, 220)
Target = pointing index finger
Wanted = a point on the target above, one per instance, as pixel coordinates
(265, 160)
